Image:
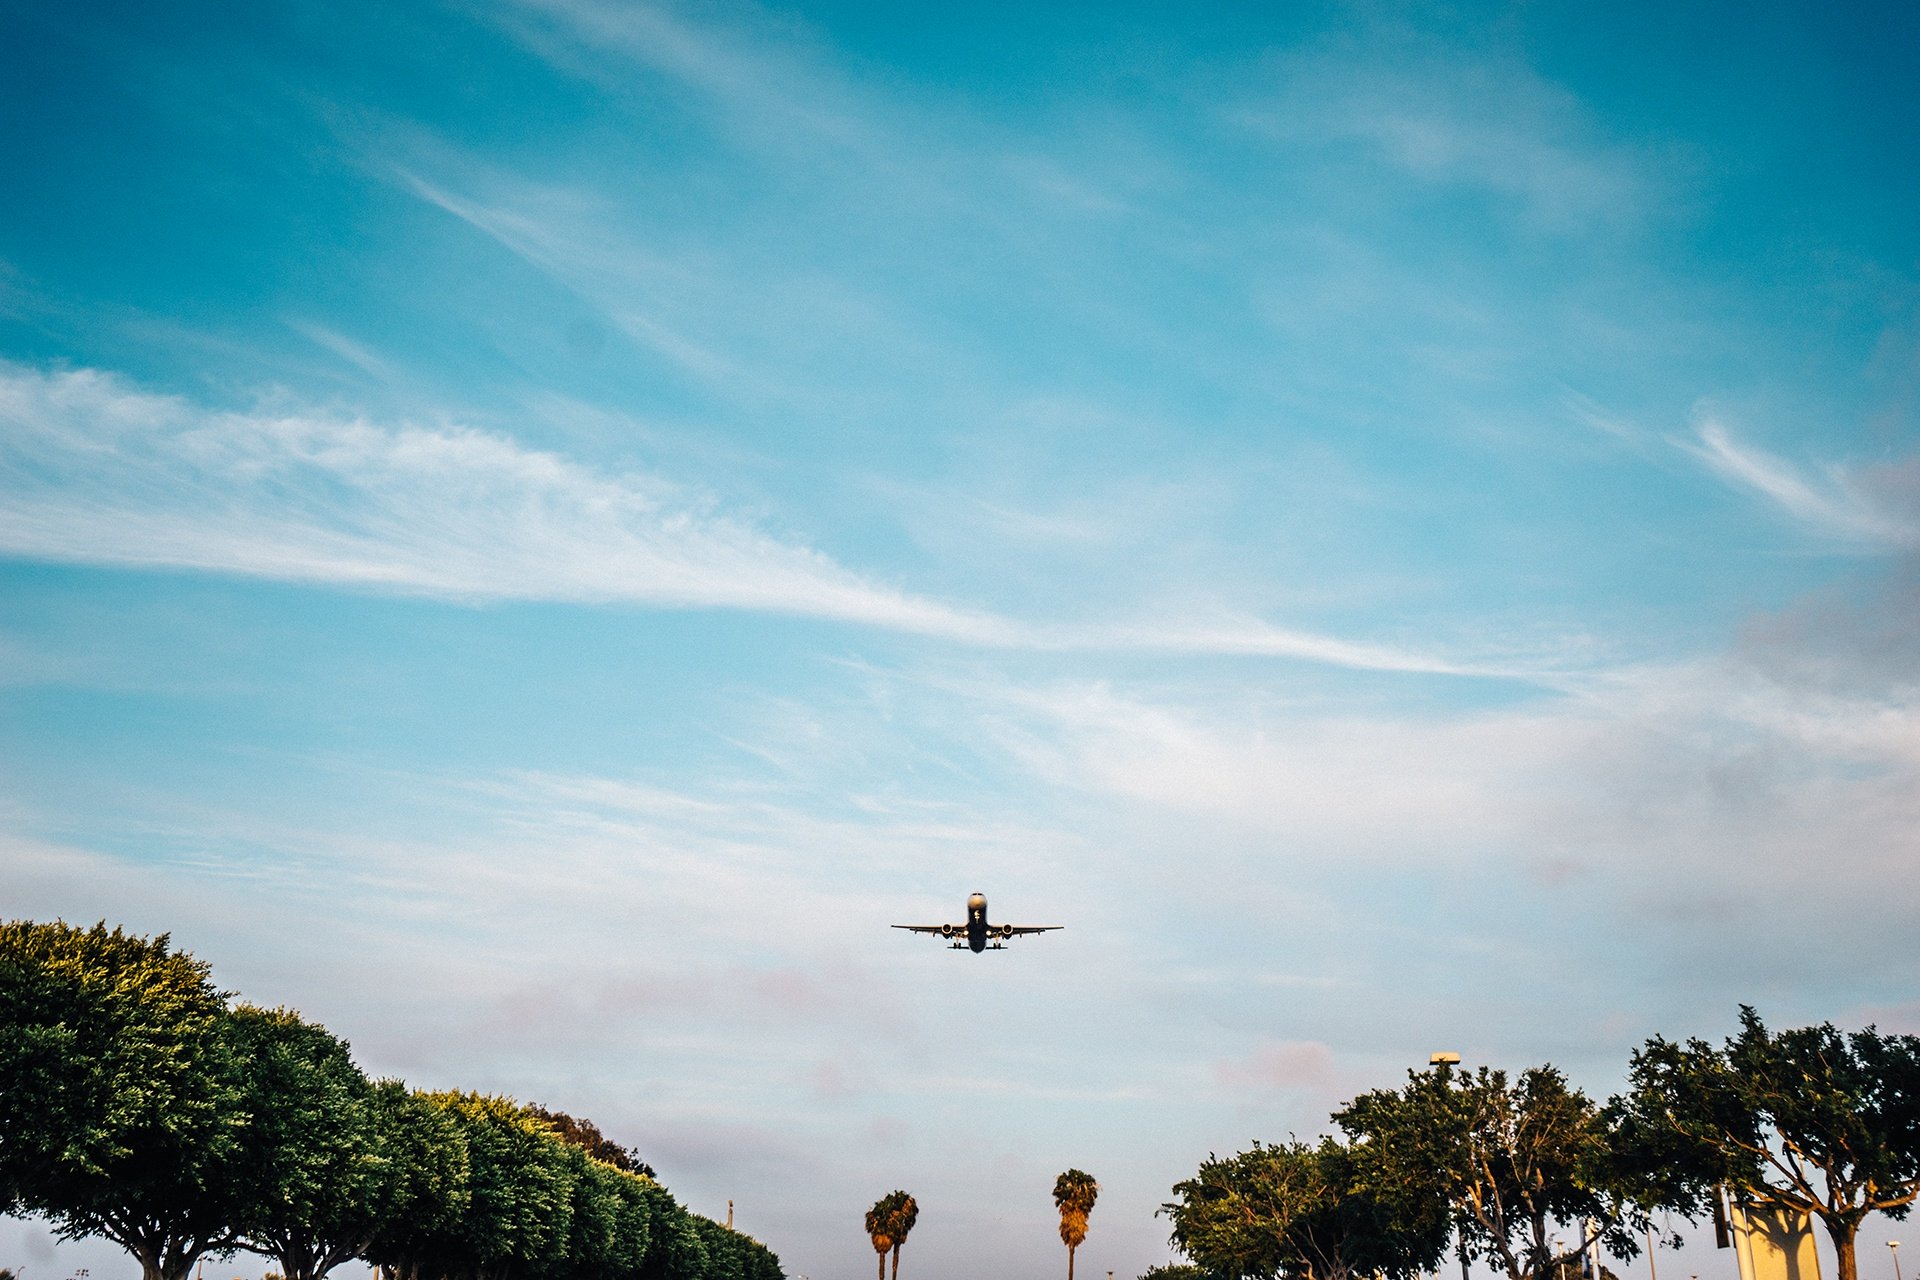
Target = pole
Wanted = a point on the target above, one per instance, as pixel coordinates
(1893, 1247)
(1653, 1271)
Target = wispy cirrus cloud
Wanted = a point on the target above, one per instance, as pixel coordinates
(94, 470)
(776, 95)
(1830, 500)
(1497, 127)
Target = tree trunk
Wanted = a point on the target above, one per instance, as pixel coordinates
(1069, 1262)
(883, 1264)
(163, 1261)
(1842, 1235)
(896, 1262)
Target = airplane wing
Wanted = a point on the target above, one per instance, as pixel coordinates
(948, 929)
(1014, 930)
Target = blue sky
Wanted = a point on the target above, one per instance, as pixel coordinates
(531, 531)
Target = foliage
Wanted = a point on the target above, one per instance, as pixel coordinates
(1177, 1271)
(586, 1135)
(431, 1194)
(879, 1224)
(1073, 1194)
(901, 1212)
(320, 1178)
(606, 1234)
(1301, 1212)
(120, 1114)
(520, 1206)
(1514, 1160)
(676, 1249)
(733, 1256)
(1809, 1120)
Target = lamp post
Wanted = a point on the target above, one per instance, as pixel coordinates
(1445, 1059)
(1893, 1247)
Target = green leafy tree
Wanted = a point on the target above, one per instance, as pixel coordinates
(1514, 1160)
(633, 1223)
(1301, 1212)
(733, 1255)
(1809, 1121)
(427, 1149)
(120, 1112)
(1177, 1271)
(518, 1212)
(676, 1249)
(598, 1243)
(1073, 1194)
(321, 1181)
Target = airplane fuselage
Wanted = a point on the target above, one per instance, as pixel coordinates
(977, 929)
(976, 934)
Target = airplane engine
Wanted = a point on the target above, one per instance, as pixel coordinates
(1005, 931)
(946, 931)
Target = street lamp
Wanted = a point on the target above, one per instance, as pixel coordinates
(1443, 1059)
(1893, 1247)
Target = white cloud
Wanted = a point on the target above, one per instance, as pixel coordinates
(97, 471)
(1450, 120)
(1828, 502)
(770, 92)
(1679, 772)
(94, 470)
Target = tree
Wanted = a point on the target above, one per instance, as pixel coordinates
(632, 1222)
(879, 1222)
(1073, 1194)
(1810, 1121)
(602, 1241)
(586, 1135)
(320, 1178)
(120, 1112)
(518, 1211)
(676, 1249)
(1298, 1211)
(1513, 1160)
(902, 1212)
(431, 1193)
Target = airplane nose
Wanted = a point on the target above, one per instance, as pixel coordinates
(977, 900)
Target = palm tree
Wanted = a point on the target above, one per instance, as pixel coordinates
(880, 1228)
(903, 1211)
(1073, 1194)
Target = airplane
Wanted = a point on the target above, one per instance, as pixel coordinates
(976, 933)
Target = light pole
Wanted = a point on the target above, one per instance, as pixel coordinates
(1893, 1247)
(1445, 1059)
